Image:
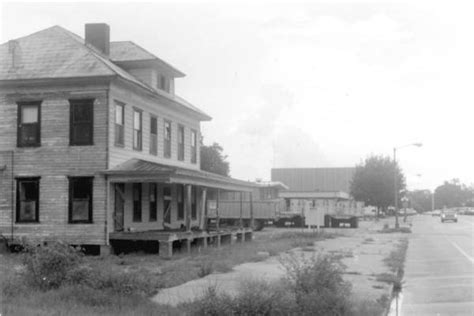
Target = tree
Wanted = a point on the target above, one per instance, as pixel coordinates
(213, 159)
(453, 194)
(420, 200)
(373, 181)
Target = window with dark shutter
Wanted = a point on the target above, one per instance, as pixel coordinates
(153, 205)
(180, 197)
(29, 124)
(167, 206)
(153, 135)
(193, 203)
(137, 129)
(27, 200)
(193, 146)
(137, 202)
(180, 142)
(80, 199)
(167, 140)
(81, 122)
(119, 124)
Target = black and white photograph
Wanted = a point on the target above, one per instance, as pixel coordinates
(224, 157)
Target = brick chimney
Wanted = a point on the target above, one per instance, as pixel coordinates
(98, 35)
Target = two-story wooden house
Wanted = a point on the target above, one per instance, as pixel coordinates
(95, 145)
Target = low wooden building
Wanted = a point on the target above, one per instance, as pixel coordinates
(95, 145)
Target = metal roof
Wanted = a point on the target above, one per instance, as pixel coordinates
(138, 170)
(314, 179)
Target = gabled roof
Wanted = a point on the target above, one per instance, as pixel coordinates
(56, 53)
(127, 51)
(141, 170)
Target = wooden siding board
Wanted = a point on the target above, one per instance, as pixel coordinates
(54, 160)
(131, 99)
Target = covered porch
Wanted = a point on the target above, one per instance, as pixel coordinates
(169, 206)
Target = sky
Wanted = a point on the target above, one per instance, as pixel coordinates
(309, 83)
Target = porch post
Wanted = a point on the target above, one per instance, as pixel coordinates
(203, 214)
(251, 211)
(241, 223)
(187, 207)
(217, 209)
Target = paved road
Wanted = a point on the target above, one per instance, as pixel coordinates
(439, 270)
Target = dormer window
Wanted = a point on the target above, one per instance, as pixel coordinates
(164, 83)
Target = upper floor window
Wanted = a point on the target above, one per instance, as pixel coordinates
(119, 123)
(29, 124)
(137, 129)
(81, 122)
(180, 142)
(193, 146)
(27, 200)
(80, 199)
(153, 135)
(167, 140)
(164, 83)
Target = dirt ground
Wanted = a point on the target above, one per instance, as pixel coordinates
(362, 252)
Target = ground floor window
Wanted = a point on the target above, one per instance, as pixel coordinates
(167, 204)
(153, 198)
(27, 202)
(80, 199)
(193, 203)
(180, 189)
(137, 202)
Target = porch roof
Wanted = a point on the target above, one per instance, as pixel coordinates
(138, 170)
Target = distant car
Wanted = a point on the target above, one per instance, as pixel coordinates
(435, 213)
(449, 216)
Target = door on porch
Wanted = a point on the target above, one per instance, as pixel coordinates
(119, 189)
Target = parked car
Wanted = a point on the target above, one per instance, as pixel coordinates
(449, 216)
(435, 213)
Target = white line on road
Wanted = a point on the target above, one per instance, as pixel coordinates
(462, 251)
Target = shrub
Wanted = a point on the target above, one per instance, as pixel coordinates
(318, 286)
(125, 283)
(254, 298)
(47, 266)
(205, 268)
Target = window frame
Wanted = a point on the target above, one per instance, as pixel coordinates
(139, 132)
(21, 104)
(180, 201)
(71, 200)
(167, 142)
(153, 189)
(137, 210)
(194, 193)
(194, 151)
(154, 137)
(18, 202)
(119, 128)
(182, 138)
(164, 83)
(81, 102)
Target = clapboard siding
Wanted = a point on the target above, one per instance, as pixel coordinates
(54, 161)
(149, 107)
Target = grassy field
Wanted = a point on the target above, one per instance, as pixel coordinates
(122, 284)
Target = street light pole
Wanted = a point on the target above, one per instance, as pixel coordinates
(395, 176)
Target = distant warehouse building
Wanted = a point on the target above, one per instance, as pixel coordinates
(315, 179)
(322, 190)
